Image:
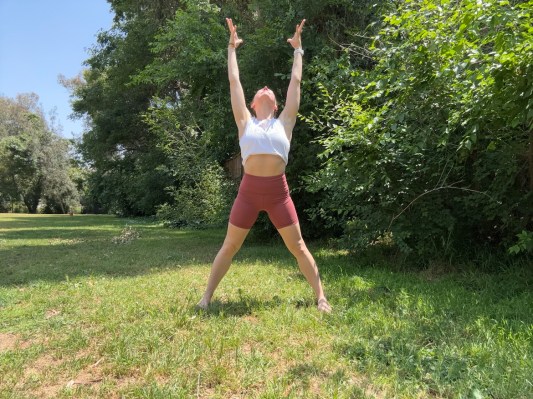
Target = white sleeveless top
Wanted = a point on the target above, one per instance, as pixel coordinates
(264, 137)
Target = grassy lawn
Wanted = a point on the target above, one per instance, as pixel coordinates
(83, 315)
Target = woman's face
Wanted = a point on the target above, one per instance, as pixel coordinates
(265, 96)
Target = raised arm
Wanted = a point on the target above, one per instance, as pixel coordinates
(238, 102)
(292, 103)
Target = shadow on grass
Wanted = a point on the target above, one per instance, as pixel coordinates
(37, 220)
(82, 246)
(237, 308)
(53, 248)
(50, 248)
(437, 327)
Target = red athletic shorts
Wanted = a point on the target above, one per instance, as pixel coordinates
(258, 193)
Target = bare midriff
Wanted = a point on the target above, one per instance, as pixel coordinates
(264, 165)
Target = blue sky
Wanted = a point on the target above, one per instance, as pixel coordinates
(40, 39)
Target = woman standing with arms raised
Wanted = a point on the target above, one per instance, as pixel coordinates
(265, 142)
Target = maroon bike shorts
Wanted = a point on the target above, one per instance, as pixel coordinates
(263, 193)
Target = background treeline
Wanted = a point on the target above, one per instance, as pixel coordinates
(38, 171)
(416, 122)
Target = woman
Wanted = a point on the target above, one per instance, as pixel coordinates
(264, 142)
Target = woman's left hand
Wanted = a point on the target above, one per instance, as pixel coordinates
(296, 40)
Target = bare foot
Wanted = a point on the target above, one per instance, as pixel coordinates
(324, 306)
(202, 305)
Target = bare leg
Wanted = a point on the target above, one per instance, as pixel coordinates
(234, 239)
(292, 237)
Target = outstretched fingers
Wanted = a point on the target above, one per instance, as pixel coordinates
(230, 25)
(234, 38)
(300, 27)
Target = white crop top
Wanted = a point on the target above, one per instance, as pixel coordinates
(264, 137)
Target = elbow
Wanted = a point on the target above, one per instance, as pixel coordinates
(233, 74)
(233, 78)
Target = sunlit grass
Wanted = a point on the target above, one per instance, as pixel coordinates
(83, 317)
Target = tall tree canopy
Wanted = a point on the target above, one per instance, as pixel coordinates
(416, 116)
(158, 77)
(34, 161)
(127, 176)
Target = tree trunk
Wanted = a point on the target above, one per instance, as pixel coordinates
(31, 199)
(30, 204)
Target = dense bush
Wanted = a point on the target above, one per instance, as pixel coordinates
(200, 193)
(430, 148)
(202, 202)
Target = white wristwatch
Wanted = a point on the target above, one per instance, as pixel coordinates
(298, 50)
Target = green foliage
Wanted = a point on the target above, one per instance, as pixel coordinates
(34, 161)
(19, 170)
(60, 194)
(128, 172)
(204, 201)
(177, 52)
(524, 244)
(189, 71)
(430, 144)
(189, 48)
(423, 115)
(201, 194)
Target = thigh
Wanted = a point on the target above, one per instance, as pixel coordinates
(282, 213)
(244, 212)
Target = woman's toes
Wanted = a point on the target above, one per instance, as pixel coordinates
(324, 306)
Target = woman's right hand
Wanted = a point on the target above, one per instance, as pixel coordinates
(234, 40)
(296, 40)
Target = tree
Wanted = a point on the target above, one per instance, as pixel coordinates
(33, 160)
(188, 70)
(60, 193)
(117, 146)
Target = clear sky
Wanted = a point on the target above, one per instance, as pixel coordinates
(40, 39)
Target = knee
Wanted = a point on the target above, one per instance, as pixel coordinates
(298, 248)
(229, 249)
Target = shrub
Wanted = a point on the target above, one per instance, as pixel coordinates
(201, 202)
(431, 146)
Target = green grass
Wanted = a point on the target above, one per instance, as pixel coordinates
(84, 317)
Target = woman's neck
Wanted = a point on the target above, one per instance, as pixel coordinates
(261, 114)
